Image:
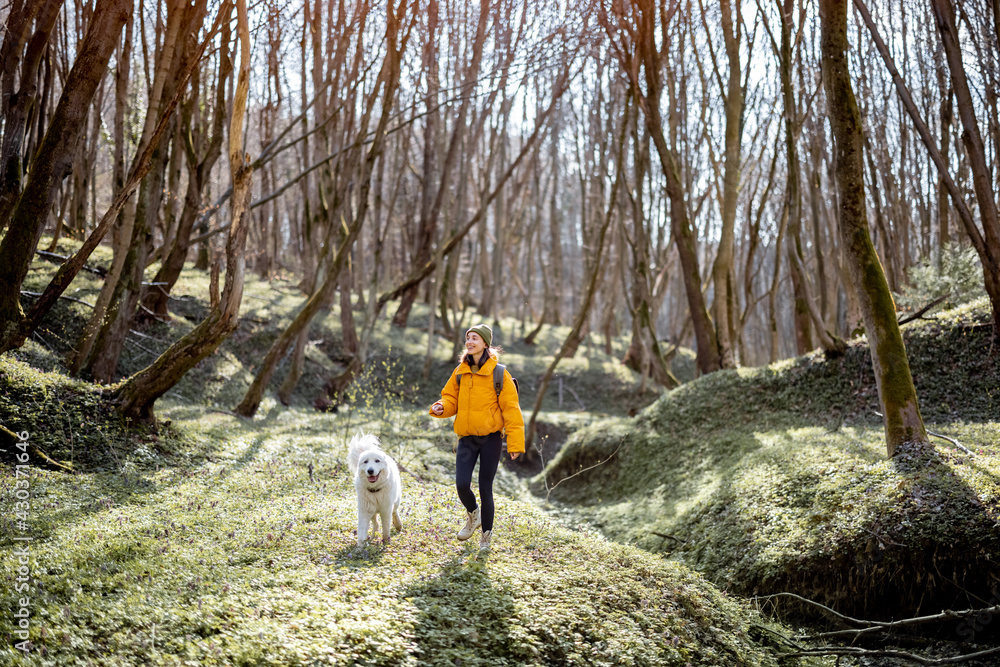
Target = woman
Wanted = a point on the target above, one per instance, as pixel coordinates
(481, 417)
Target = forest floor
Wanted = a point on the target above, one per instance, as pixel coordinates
(775, 480)
(222, 540)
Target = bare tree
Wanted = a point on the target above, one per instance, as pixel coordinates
(388, 81)
(631, 30)
(52, 161)
(25, 47)
(102, 343)
(987, 243)
(139, 393)
(597, 243)
(200, 156)
(900, 409)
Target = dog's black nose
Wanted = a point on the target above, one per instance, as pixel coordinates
(371, 471)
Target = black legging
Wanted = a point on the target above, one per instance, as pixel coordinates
(486, 448)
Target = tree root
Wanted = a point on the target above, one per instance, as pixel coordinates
(868, 629)
(9, 439)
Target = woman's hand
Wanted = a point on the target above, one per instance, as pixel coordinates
(514, 455)
(437, 408)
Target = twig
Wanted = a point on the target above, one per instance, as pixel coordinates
(570, 390)
(952, 441)
(855, 621)
(579, 472)
(853, 650)
(944, 437)
(51, 255)
(881, 539)
(801, 651)
(61, 296)
(43, 341)
(144, 349)
(10, 439)
(155, 316)
(920, 313)
(780, 636)
(945, 615)
(146, 336)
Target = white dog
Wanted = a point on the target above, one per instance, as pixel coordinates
(376, 479)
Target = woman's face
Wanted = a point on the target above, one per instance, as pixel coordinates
(474, 344)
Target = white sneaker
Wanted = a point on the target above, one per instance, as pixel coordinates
(484, 541)
(473, 522)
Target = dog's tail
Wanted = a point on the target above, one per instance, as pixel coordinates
(361, 442)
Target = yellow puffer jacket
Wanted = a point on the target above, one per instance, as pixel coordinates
(478, 408)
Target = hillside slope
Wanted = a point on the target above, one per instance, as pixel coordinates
(222, 541)
(775, 479)
(230, 542)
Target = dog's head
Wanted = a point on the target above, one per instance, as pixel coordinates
(372, 468)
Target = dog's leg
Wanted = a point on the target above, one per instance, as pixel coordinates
(362, 527)
(374, 524)
(397, 524)
(385, 525)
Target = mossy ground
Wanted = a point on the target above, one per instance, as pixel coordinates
(776, 479)
(237, 547)
(218, 540)
(224, 541)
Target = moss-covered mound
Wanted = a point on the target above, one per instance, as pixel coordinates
(68, 420)
(776, 478)
(249, 558)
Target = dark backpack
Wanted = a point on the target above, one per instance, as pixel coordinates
(497, 380)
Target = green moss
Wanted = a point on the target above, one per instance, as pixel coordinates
(229, 541)
(775, 478)
(244, 558)
(68, 419)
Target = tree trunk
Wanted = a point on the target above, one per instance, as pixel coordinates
(68, 271)
(428, 226)
(107, 344)
(53, 160)
(643, 354)
(645, 52)
(753, 244)
(138, 395)
(793, 244)
(722, 268)
(815, 202)
(431, 209)
(199, 169)
(772, 296)
(900, 408)
(109, 300)
(552, 311)
(16, 105)
(572, 340)
(389, 76)
(946, 115)
(83, 176)
(988, 248)
(420, 273)
(944, 15)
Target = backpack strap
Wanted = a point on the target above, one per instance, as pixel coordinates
(497, 378)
